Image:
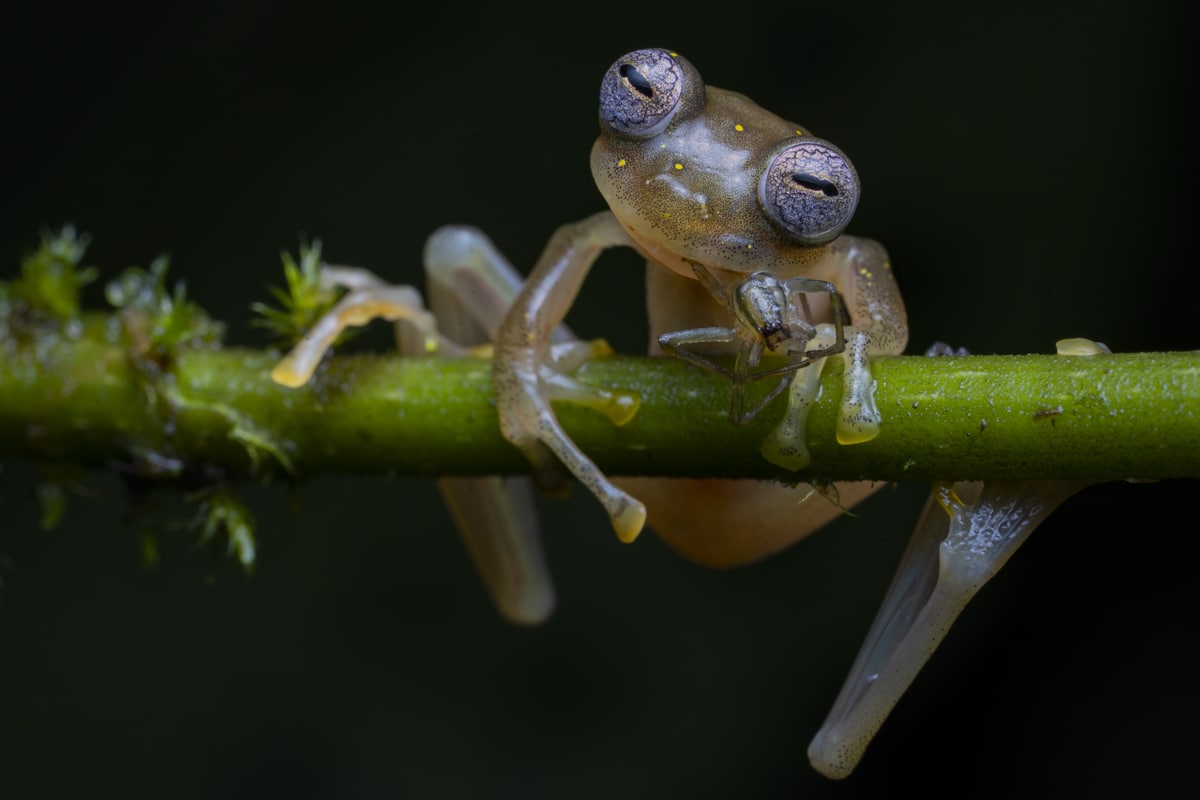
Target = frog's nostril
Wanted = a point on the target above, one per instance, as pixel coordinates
(636, 79)
(814, 184)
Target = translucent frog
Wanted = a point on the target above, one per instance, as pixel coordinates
(740, 215)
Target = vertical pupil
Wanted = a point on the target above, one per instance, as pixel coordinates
(636, 79)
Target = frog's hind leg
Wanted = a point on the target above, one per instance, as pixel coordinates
(955, 549)
(470, 286)
(497, 521)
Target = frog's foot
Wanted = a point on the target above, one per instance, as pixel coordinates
(558, 379)
(955, 549)
(859, 418)
(533, 427)
(368, 299)
(945, 349)
(786, 445)
(535, 431)
(1078, 346)
(525, 376)
(558, 383)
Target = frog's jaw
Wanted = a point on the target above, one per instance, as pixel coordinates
(955, 549)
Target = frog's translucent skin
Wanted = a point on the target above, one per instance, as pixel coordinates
(695, 175)
(698, 190)
(966, 534)
(683, 168)
(469, 292)
(956, 548)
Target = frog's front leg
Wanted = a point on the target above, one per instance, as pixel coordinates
(526, 379)
(367, 298)
(861, 270)
(879, 326)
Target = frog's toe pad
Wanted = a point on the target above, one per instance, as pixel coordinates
(857, 424)
(622, 407)
(286, 374)
(1078, 346)
(791, 455)
(629, 520)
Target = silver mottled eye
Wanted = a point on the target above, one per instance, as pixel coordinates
(641, 92)
(810, 190)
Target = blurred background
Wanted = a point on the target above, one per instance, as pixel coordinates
(1032, 172)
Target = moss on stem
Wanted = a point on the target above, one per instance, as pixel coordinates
(85, 399)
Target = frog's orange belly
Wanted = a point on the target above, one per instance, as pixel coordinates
(726, 523)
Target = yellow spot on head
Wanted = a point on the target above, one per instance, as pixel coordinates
(750, 247)
(666, 215)
(799, 132)
(738, 128)
(678, 165)
(621, 163)
(672, 54)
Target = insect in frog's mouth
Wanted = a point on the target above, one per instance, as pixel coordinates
(770, 329)
(773, 333)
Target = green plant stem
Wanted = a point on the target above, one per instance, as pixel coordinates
(84, 400)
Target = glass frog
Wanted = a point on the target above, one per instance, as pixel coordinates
(740, 215)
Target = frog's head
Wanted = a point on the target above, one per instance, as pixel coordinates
(696, 172)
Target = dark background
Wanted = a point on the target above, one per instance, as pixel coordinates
(1032, 172)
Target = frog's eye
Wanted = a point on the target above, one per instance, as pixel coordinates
(642, 91)
(810, 190)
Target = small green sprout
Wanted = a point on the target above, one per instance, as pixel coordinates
(223, 514)
(52, 499)
(51, 277)
(304, 300)
(157, 319)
